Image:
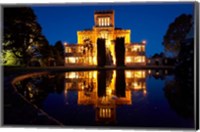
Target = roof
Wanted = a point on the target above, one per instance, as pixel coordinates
(87, 29)
(104, 12)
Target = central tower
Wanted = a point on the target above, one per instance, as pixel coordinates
(104, 18)
(104, 25)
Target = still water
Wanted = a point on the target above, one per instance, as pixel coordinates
(131, 98)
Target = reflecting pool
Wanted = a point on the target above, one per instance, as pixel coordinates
(131, 98)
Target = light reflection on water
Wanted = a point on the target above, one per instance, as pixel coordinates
(108, 97)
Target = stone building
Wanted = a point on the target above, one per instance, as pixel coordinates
(85, 51)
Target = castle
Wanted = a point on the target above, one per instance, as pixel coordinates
(85, 51)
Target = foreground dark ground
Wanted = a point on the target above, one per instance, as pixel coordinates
(14, 105)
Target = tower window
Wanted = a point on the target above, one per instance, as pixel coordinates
(104, 21)
(99, 21)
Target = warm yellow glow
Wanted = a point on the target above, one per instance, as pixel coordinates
(136, 48)
(143, 48)
(94, 73)
(149, 71)
(72, 75)
(108, 21)
(108, 43)
(105, 113)
(67, 84)
(137, 86)
(87, 82)
(114, 61)
(102, 22)
(109, 91)
(140, 74)
(110, 34)
(145, 92)
(112, 85)
(30, 95)
(90, 60)
(139, 59)
(105, 21)
(157, 73)
(72, 59)
(135, 74)
(29, 88)
(68, 49)
(128, 59)
(128, 74)
(94, 60)
(135, 59)
(103, 110)
(82, 80)
(82, 87)
(99, 21)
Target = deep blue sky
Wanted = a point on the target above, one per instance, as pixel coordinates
(146, 21)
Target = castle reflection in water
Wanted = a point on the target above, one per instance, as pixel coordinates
(105, 89)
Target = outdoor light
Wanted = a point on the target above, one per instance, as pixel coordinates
(65, 43)
(144, 42)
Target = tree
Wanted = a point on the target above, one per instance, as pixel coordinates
(158, 55)
(176, 33)
(58, 51)
(20, 30)
(59, 47)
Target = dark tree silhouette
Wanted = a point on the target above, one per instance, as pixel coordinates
(59, 46)
(156, 55)
(177, 32)
(20, 29)
(58, 50)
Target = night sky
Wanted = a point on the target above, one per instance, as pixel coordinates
(146, 21)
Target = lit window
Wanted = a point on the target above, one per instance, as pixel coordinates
(128, 74)
(72, 60)
(143, 49)
(68, 49)
(134, 49)
(139, 74)
(103, 20)
(139, 59)
(66, 60)
(99, 21)
(108, 21)
(72, 75)
(128, 59)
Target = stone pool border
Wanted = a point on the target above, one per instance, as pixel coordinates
(34, 110)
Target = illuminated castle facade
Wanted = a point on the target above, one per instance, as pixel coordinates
(85, 51)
